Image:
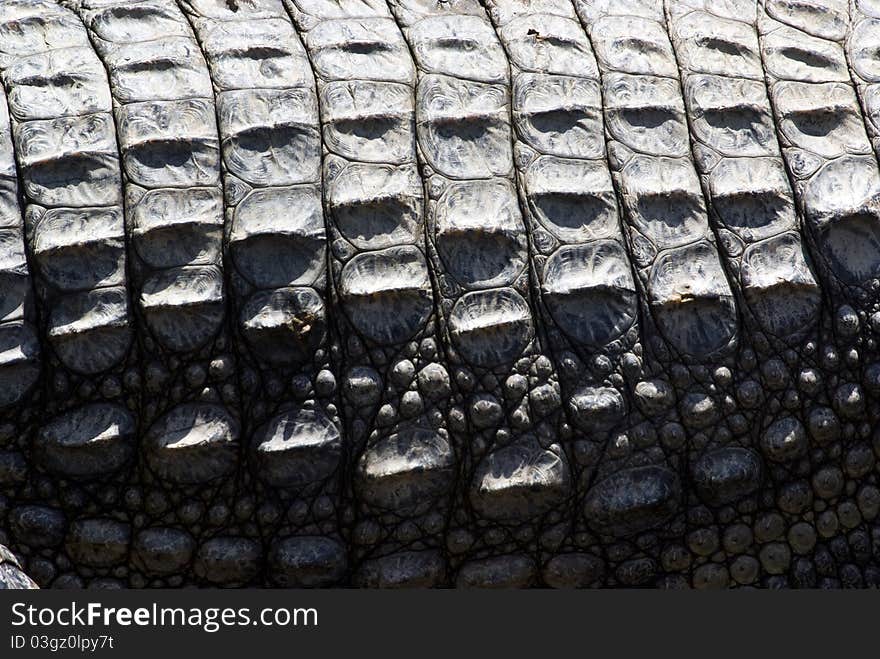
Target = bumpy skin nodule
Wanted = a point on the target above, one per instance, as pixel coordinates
(11, 576)
(422, 293)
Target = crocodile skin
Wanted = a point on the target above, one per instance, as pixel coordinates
(433, 293)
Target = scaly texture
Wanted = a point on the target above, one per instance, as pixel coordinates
(570, 293)
(164, 107)
(395, 390)
(515, 478)
(276, 251)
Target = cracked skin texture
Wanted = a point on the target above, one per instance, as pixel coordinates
(480, 294)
